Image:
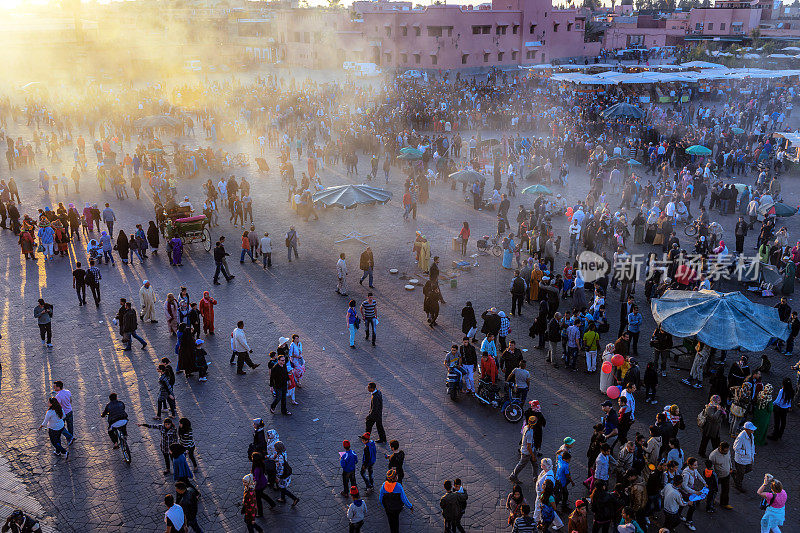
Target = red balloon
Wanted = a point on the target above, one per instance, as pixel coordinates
(618, 360)
(607, 367)
(613, 392)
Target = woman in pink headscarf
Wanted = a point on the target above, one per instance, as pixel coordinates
(796, 253)
(721, 250)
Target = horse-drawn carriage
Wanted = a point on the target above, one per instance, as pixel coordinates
(180, 222)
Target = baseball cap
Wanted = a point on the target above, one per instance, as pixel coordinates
(606, 403)
(750, 426)
(346, 443)
(569, 441)
(365, 436)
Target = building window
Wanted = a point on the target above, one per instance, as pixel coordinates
(417, 31)
(476, 30)
(434, 60)
(500, 56)
(405, 31)
(515, 29)
(501, 30)
(710, 26)
(388, 31)
(404, 58)
(486, 30)
(388, 60)
(449, 31)
(464, 58)
(434, 31)
(486, 57)
(722, 26)
(417, 58)
(530, 54)
(532, 29)
(699, 26)
(513, 56)
(555, 27)
(569, 26)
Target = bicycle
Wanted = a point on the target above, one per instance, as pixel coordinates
(122, 440)
(488, 245)
(692, 229)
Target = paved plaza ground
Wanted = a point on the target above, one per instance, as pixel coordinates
(95, 491)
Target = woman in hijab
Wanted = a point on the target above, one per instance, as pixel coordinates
(186, 350)
(790, 272)
(468, 322)
(762, 412)
(606, 380)
(206, 306)
(721, 250)
(249, 507)
(740, 403)
(153, 236)
(87, 216)
(171, 311)
(122, 247)
(509, 248)
(177, 250)
(141, 240)
(284, 477)
(61, 238)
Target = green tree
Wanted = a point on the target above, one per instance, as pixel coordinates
(334, 4)
(593, 32)
(755, 36)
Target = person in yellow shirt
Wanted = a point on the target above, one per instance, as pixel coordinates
(591, 341)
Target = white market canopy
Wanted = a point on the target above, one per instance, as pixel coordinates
(611, 77)
(703, 64)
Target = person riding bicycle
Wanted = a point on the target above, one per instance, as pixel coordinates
(117, 418)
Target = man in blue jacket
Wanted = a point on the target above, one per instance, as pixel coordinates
(348, 462)
(370, 456)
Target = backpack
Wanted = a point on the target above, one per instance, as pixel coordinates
(519, 286)
(287, 470)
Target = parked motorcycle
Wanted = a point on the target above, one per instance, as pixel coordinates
(453, 383)
(494, 396)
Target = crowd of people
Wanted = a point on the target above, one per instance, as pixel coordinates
(637, 473)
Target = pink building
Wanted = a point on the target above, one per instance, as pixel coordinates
(395, 35)
(728, 20)
(646, 32)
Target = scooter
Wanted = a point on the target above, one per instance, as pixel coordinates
(453, 383)
(491, 395)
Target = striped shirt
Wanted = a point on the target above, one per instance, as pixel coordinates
(524, 524)
(369, 308)
(186, 438)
